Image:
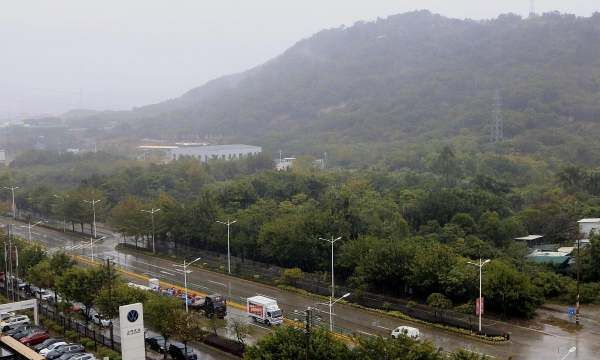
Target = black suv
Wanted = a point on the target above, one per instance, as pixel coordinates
(177, 352)
(156, 343)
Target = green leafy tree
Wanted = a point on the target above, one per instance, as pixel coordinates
(439, 301)
(509, 291)
(81, 285)
(42, 275)
(377, 348)
(188, 327)
(159, 312)
(241, 329)
(288, 343)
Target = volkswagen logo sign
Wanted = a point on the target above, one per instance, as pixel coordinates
(132, 315)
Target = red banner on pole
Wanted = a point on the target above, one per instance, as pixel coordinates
(479, 306)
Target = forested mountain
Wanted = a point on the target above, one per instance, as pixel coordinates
(406, 82)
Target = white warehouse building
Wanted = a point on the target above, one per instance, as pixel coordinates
(204, 153)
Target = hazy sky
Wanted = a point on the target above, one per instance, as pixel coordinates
(56, 55)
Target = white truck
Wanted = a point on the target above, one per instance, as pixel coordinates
(264, 310)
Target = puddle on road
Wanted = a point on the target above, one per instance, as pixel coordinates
(564, 325)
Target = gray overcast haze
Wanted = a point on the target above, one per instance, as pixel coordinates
(115, 54)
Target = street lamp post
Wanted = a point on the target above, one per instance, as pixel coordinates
(185, 272)
(63, 198)
(92, 242)
(151, 212)
(330, 303)
(14, 208)
(228, 223)
(331, 241)
(29, 227)
(17, 272)
(93, 202)
(480, 265)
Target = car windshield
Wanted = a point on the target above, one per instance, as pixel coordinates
(276, 313)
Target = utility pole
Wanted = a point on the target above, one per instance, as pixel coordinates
(63, 210)
(151, 212)
(17, 271)
(308, 314)
(331, 241)
(228, 223)
(6, 269)
(185, 272)
(578, 275)
(29, 226)
(93, 202)
(14, 208)
(10, 263)
(112, 338)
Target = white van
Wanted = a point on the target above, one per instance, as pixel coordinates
(409, 331)
(11, 322)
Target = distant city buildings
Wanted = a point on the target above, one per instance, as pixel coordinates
(201, 151)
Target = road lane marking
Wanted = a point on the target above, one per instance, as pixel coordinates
(216, 282)
(383, 327)
(366, 333)
(167, 273)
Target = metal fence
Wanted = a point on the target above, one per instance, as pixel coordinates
(78, 327)
(67, 323)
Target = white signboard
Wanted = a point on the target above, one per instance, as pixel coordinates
(131, 321)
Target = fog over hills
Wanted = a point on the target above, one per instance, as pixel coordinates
(402, 82)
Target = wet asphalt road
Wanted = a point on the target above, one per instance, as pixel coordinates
(545, 342)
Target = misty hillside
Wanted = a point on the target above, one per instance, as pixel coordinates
(404, 82)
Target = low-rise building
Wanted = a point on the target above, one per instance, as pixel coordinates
(284, 164)
(589, 226)
(556, 258)
(202, 152)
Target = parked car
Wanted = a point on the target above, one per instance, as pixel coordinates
(409, 331)
(6, 315)
(45, 344)
(69, 356)
(177, 352)
(11, 322)
(64, 349)
(156, 343)
(51, 347)
(17, 329)
(97, 318)
(83, 357)
(35, 337)
(26, 331)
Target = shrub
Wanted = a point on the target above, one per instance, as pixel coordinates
(291, 276)
(466, 308)
(71, 335)
(88, 344)
(439, 301)
(387, 306)
(106, 352)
